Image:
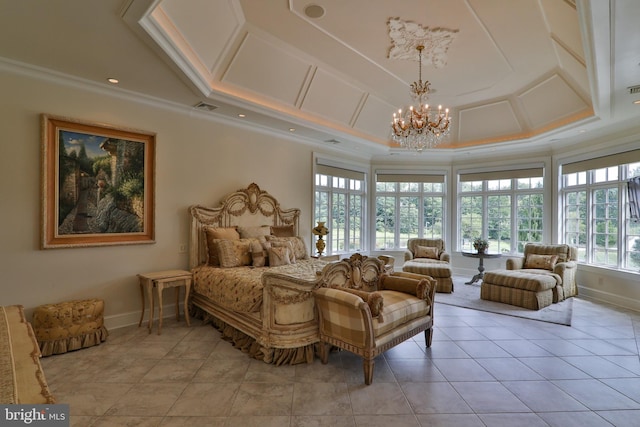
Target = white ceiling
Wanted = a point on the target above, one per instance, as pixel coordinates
(517, 73)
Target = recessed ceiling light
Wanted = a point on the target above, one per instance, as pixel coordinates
(242, 116)
(292, 129)
(637, 101)
(113, 81)
(314, 11)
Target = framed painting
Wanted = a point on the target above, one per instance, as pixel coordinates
(98, 184)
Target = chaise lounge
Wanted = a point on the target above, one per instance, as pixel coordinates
(544, 275)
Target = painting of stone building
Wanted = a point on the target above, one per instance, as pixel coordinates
(101, 184)
(98, 184)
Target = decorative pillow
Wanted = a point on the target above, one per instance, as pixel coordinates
(283, 231)
(279, 255)
(544, 262)
(427, 252)
(234, 253)
(298, 246)
(260, 252)
(374, 300)
(287, 244)
(214, 234)
(252, 232)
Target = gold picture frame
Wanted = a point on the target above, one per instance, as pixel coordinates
(98, 184)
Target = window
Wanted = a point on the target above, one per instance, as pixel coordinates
(408, 206)
(340, 202)
(505, 207)
(596, 213)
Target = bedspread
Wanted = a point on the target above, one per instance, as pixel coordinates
(240, 288)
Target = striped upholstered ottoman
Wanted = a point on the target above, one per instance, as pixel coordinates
(439, 270)
(69, 326)
(528, 290)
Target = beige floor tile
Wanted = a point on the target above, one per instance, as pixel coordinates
(187, 349)
(173, 370)
(205, 400)
(223, 370)
(378, 399)
(257, 421)
(321, 399)
(386, 420)
(147, 400)
(192, 421)
(263, 399)
(110, 421)
(322, 421)
(90, 398)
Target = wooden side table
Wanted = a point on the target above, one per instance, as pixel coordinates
(161, 280)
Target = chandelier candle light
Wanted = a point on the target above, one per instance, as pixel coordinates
(420, 128)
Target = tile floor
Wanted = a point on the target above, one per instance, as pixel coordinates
(483, 369)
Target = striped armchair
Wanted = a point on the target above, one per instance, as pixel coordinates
(429, 257)
(365, 310)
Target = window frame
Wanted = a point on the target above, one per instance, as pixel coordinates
(340, 180)
(419, 180)
(590, 182)
(480, 182)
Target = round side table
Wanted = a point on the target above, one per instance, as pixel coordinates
(481, 256)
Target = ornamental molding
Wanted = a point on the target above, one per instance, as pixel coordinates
(406, 36)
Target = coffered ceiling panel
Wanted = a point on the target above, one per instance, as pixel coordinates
(371, 117)
(209, 31)
(550, 101)
(573, 69)
(480, 122)
(333, 98)
(266, 69)
(564, 26)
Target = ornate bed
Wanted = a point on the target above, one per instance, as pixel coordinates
(267, 311)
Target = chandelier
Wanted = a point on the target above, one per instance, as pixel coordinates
(419, 128)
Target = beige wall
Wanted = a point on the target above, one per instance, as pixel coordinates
(197, 161)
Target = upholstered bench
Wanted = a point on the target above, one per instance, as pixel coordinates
(69, 326)
(528, 290)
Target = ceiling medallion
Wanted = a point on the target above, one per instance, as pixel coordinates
(406, 36)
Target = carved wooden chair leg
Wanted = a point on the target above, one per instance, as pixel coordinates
(368, 370)
(428, 336)
(324, 352)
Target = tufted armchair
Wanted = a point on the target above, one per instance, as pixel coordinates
(429, 257)
(365, 310)
(558, 261)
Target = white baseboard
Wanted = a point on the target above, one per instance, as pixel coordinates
(124, 320)
(609, 298)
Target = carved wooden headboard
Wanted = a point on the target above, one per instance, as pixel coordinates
(244, 208)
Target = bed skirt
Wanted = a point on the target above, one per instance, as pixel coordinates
(249, 345)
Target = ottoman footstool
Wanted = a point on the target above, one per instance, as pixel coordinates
(527, 290)
(69, 326)
(439, 270)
